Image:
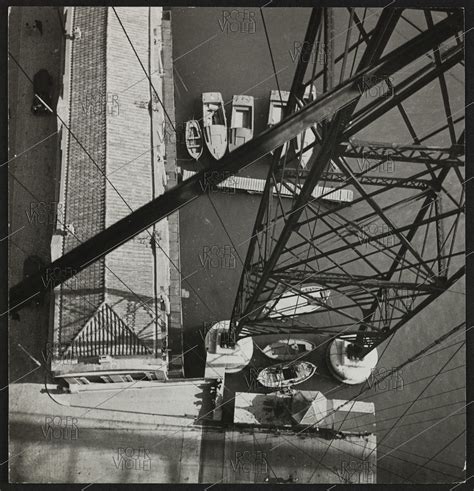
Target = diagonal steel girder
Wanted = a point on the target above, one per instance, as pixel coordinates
(376, 44)
(172, 200)
(296, 93)
(382, 105)
(297, 87)
(403, 90)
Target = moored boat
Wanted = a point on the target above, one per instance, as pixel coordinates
(214, 123)
(309, 94)
(286, 375)
(242, 121)
(307, 136)
(287, 349)
(194, 140)
(278, 102)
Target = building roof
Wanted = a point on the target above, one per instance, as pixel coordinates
(305, 408)
(106, 331)
(109, 169)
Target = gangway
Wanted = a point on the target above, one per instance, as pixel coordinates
(253, 185)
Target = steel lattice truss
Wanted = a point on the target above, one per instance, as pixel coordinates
(398, 245)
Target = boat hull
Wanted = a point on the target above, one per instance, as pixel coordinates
(276, 377)
(194, 139)
(278, 102)
(242, 121)
(287, 349)
(214, 124)
(216, 140)
(239, 136)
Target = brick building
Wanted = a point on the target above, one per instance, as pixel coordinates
(112, 319)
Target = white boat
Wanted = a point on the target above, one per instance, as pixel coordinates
(309, 94)
(286, 375)
(287, 349)
(292, 303)
(278, 102)
(242, 121)
(194, 141)
(307, 136)
(214, 123)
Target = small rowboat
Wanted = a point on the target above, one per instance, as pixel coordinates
(241, 124)
(214, 123)
(286, 375)
(287, 349)
(194, 142)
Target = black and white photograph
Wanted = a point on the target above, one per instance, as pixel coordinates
(236, 245)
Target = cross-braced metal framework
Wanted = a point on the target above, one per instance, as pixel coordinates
(398, 245)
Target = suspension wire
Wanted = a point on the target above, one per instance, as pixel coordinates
(399, 419)
(410, 461)
(81, 242)
(386, 408)
(432, 458)
(411, 359)
(431, 408)
(271, 52)
(119, 194)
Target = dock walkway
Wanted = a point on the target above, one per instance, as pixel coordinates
(252, 185)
